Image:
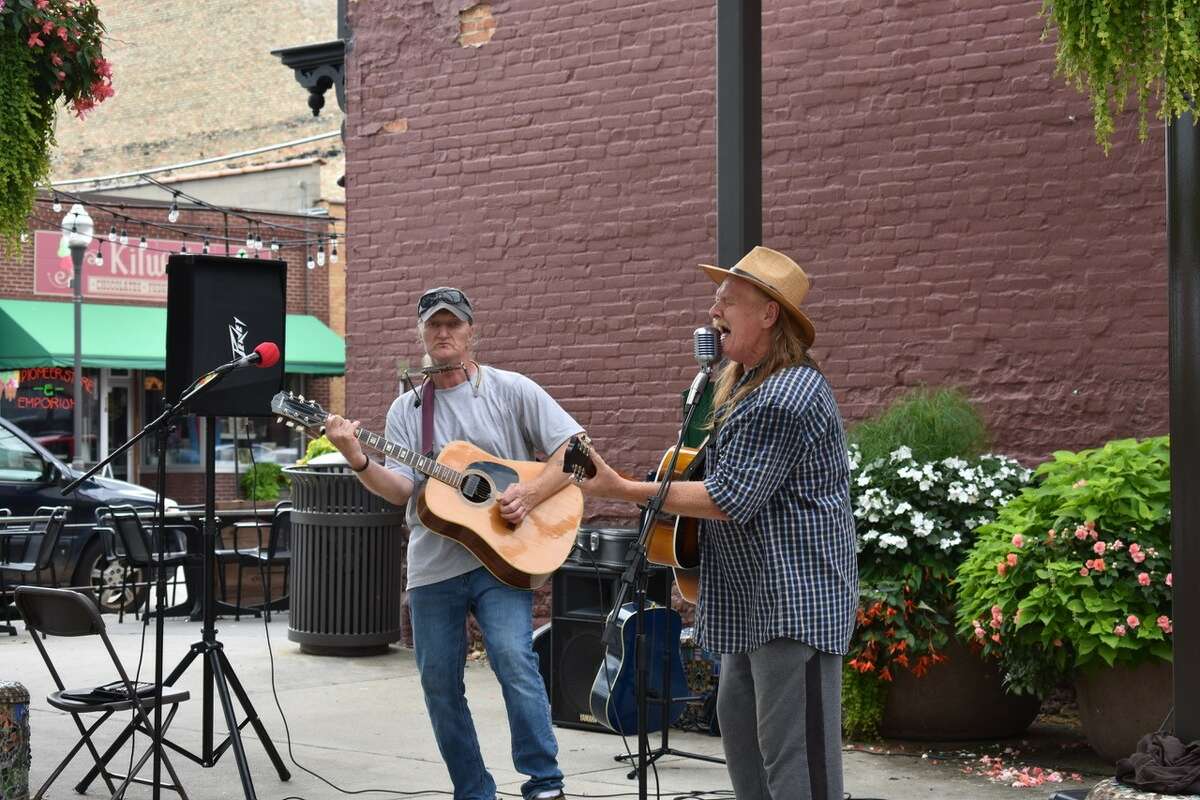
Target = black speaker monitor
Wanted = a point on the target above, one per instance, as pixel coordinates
(219, 309)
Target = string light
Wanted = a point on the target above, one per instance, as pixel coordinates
(321, 256)
(274, 245)
(205, 248)
(310, 263)
(99, 255)
(241, 252)
(333, 255)
(57, 207)
(124, 237)
(183, 247)
(173, 214)
(24, 237)
(112, 232)
(142, 242)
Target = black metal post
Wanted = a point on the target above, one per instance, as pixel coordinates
(1183, 289)
(739, 128)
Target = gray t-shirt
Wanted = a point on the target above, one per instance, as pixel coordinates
(511, 418)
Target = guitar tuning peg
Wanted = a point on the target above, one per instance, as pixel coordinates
(278, 420)
(290, 393)
(322, 430)
(300, 397)
(290, 424)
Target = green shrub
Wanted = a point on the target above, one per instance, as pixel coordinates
(263, 481)
(1076, 571)
(932, 423)
(863, 699)
(317, 447)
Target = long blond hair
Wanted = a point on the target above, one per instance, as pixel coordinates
(788, 348)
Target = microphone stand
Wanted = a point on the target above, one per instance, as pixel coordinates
(634, 579)
(160, 425)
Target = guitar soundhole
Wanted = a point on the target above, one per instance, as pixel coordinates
(476, 489)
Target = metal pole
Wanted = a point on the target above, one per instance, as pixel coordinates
(77, 253)
(739, 128)
(1183, 291)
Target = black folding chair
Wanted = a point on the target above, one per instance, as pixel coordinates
(129, 541)
(276, 551)
(62, 612)
(50, 530)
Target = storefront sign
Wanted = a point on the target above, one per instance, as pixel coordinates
(128, 271)
(45, 388)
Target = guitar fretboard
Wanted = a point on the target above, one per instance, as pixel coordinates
(422, 464)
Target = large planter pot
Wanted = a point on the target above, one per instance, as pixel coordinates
(1119, 705)
(958, 699)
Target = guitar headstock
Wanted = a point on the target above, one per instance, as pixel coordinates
(298, 412)
(577, 460)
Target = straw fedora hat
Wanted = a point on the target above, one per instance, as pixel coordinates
(775, 274)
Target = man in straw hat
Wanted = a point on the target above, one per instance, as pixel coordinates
(778, 575)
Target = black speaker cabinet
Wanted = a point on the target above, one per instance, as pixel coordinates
(220, 309)
(581, 599)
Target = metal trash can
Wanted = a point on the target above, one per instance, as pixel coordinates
(14, 741)
(347, 557)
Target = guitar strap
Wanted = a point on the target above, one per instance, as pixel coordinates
(427, 395)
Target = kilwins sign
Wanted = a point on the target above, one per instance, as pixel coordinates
(126, 271)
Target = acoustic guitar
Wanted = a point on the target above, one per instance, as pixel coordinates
(614, 696)
(674, 541)
(459, 502)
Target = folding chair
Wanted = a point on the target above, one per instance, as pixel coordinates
(62, 612)
(130, 542)
(276, 551)
(50, 530)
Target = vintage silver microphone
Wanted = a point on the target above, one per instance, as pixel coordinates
(706, 347)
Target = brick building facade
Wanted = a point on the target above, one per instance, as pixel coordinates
(922, 161)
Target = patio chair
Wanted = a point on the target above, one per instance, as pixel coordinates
(129, 541)
(65, 613)
(275, 552)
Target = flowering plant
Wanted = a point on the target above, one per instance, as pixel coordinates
(50, 50)
(915, 522)
(1076, 571)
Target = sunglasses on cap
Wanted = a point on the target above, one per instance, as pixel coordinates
(452, 296)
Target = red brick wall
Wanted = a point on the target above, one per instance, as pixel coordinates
(940, 183)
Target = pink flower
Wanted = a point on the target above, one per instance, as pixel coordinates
(1098, 548)
(35, 41)
(47, 26)
(1132, 621)
(1050, 535)
(1081, 533)
(1018, 540)
(979, 632)
(1012, 559)
(1002, 568)
(1169, 580)
(1119, 630)
(1144, 578)
(1057, 643)
(103, 68)
(62, 33)
(1116, 545)
(1089, 563)
(41, 4)
(1137, 557)
(1098, 565)
(56, 59)
(996, 638)
(1083, 571)
(1164, 623)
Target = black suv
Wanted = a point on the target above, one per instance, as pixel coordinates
(30, 476)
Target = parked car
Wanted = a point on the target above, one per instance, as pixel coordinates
(31, 476)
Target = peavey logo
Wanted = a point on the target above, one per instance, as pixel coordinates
(237, 338)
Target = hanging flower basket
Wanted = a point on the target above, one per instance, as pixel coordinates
(50, 51)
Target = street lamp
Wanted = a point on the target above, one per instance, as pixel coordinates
(77, 227)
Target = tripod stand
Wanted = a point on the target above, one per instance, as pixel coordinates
(217, 669)
(635, 578)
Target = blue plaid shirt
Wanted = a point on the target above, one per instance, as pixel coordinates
(784, 565)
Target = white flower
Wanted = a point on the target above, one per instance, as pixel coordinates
(902, 508)
(922, 525)
(892, 540)
(901, 453)
(863, 480)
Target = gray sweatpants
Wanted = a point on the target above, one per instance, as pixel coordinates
(780, 710)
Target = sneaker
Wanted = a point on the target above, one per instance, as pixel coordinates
(550, 794)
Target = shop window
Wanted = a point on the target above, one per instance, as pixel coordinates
(19, 461)
(184, 442)
(259, 438)
(41, 401)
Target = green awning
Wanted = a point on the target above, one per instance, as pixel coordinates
(40, 333)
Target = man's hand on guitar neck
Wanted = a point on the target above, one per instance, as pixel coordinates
(391, 486)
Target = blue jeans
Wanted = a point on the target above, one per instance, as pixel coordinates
(505, 615)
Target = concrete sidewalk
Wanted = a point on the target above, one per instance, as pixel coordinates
(361, 724)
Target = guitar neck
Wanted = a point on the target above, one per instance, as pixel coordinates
(423, 464)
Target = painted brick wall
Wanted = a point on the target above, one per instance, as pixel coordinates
(920, 159)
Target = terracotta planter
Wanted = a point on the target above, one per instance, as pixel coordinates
(1119, 705)
(961, 698)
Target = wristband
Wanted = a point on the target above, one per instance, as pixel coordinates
(365, 466)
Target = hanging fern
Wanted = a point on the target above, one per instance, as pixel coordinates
(1110, 48)
(26, 135)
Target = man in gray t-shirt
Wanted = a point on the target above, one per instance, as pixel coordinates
(511, 417)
